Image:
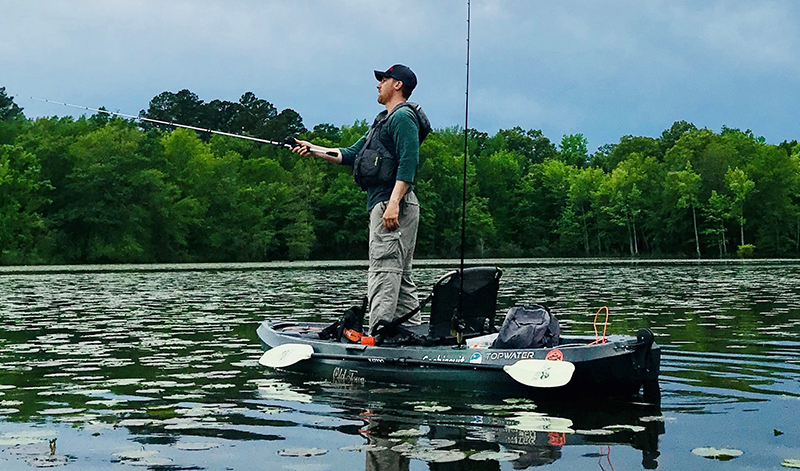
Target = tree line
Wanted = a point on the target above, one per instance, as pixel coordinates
(103, 189)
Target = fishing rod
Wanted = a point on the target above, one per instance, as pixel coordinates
(289, 143)
(464, 180)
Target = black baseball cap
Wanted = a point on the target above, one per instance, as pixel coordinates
(401, 73)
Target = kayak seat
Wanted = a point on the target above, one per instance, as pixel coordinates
(478, 306)
(476, 316)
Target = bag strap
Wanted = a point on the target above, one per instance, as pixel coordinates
(386, 328)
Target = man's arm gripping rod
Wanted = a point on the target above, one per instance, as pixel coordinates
(289, 143)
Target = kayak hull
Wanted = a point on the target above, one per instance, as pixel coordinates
(622, 366)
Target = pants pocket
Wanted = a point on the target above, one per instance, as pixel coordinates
(385, 251)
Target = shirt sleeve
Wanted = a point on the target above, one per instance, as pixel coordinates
(404, 129)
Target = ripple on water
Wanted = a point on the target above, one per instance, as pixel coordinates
(169, 360)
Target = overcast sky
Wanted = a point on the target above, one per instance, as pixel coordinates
(601, 68)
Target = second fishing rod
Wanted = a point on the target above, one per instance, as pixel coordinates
(288, 143)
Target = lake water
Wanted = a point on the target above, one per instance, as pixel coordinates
(156, 367)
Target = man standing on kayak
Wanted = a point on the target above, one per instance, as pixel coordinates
(385, 163)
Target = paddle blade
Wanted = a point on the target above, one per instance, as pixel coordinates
(541, 373)
(286, 355)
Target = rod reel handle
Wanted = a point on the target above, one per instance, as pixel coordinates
(290, 142)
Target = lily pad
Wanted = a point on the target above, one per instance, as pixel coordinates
(47, 461)
(431, 408)
(438, 456)
(362, 448)
(653, 418)
(26, 437)
(135, 454)
(61, 411)
(488, 455)
(389, 391)
(440, 443)
(301, 452)
(411, 432)
(404, 448)
(152, 461)
(135, 422)
(722, 454)
(196, 446)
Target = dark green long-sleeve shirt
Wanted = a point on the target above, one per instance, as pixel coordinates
(400, 135)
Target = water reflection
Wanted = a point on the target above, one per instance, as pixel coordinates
(159, 368)
(396, 426)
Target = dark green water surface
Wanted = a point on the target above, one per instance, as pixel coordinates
(157, 367)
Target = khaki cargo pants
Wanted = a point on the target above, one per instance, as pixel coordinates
(391, 291)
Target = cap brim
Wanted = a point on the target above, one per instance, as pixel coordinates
(379, 75)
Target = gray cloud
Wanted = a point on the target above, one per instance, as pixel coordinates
(604, 69)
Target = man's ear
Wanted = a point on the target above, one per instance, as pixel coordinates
(398, 85)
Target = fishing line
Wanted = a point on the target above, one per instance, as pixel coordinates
(289, 143)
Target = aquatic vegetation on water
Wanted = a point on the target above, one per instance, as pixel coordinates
(411, 432)
(25, 437)
(301, 452)
(488, 455)
(363, 448)
(169, 361)
(196, 446)
(722, 454)
(436, 456)
(429, 407)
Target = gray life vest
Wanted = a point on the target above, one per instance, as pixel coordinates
(375, 164)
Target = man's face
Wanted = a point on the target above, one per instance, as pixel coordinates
(386, 88)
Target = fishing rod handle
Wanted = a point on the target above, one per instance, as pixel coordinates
(291, 142)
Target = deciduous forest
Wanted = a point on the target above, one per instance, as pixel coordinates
(102, 189)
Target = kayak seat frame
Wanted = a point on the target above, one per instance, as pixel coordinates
(468, 314)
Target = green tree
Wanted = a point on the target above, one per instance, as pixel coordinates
(12, 121)
(672, 135)
(686, 185)
(741, 186)
(774, 200)
(531, 144)
(609, 156)
(22, 227)
(573, 150)
(500, 173)
(583, 187)
(184, 107)
(8, 109)
(717, 210)
(101, 216)
(623, 200)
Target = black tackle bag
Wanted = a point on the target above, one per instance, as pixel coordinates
(530, 326)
